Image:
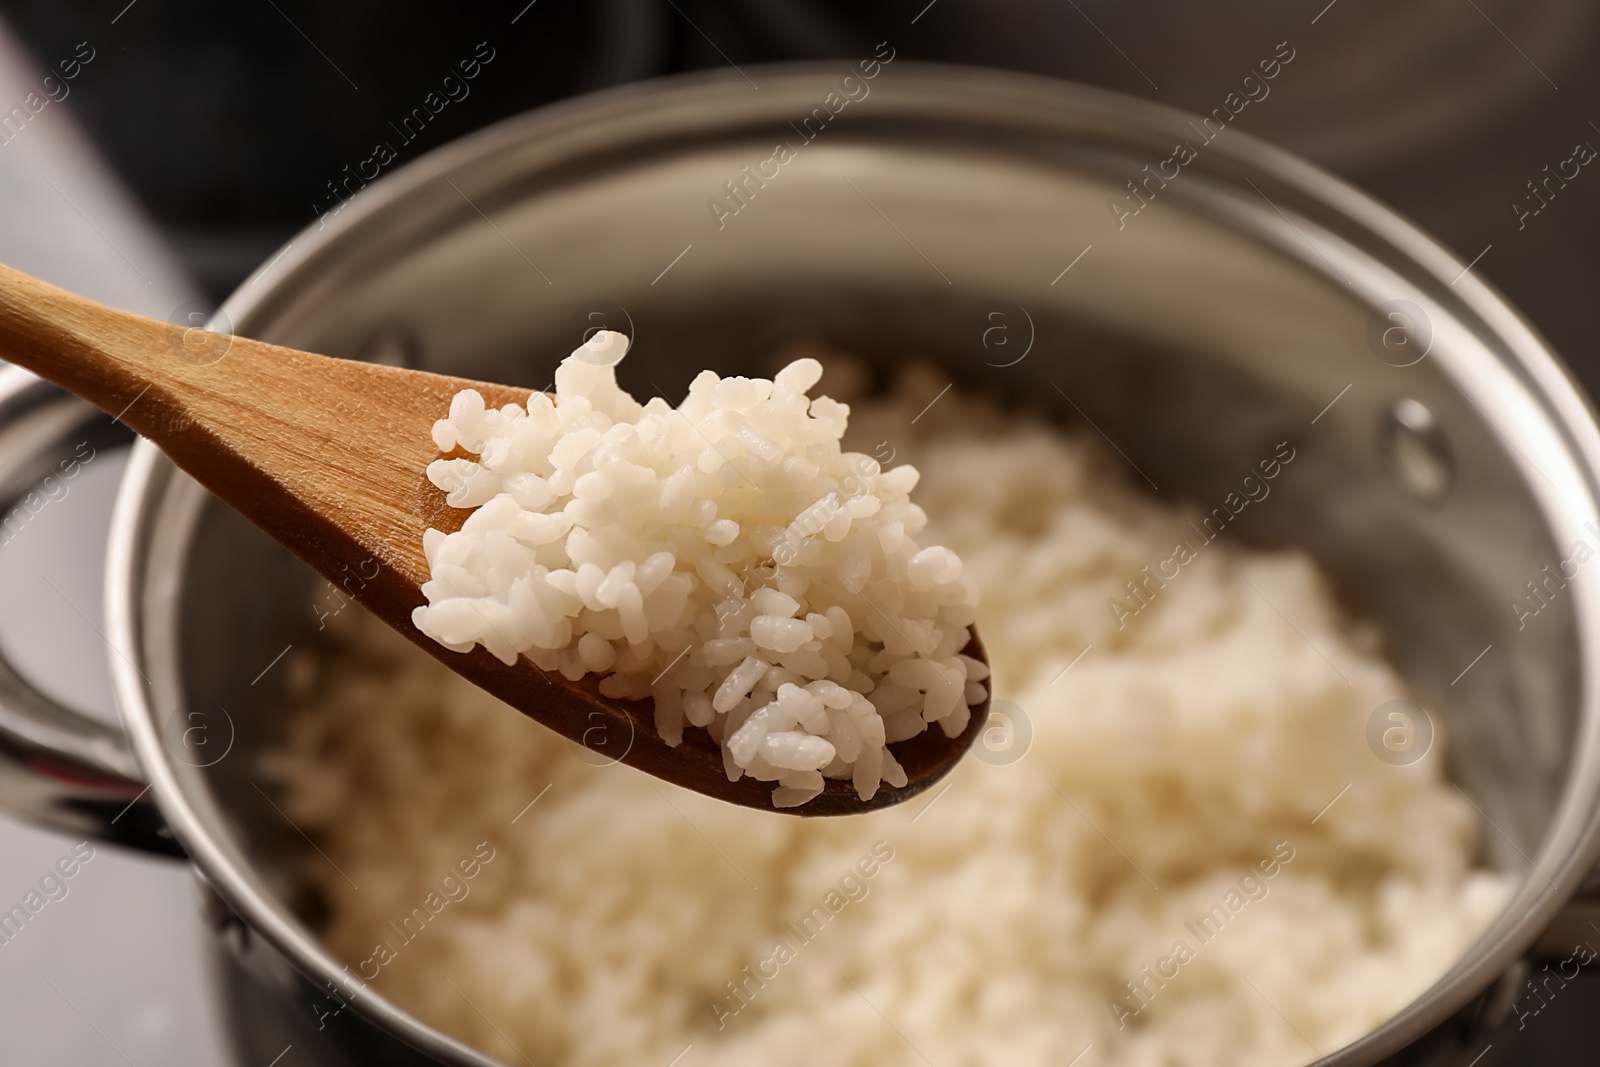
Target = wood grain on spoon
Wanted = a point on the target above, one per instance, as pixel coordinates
(329, 457)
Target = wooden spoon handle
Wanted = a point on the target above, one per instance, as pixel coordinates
(327, 455)
(107, 357)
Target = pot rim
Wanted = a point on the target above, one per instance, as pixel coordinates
(1561, 402)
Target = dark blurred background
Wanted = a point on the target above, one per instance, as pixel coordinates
(230, 121)
(232, 125)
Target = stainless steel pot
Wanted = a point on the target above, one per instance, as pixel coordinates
(1007, 227)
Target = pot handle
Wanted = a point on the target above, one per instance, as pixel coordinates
(59, 768)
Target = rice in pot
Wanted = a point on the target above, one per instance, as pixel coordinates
(1195, 859)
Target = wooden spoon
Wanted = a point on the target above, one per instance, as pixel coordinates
(329, 457)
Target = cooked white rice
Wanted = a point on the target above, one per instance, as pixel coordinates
(1192, 749)
(725, 557)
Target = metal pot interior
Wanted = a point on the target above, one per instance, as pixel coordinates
(1223, 318)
